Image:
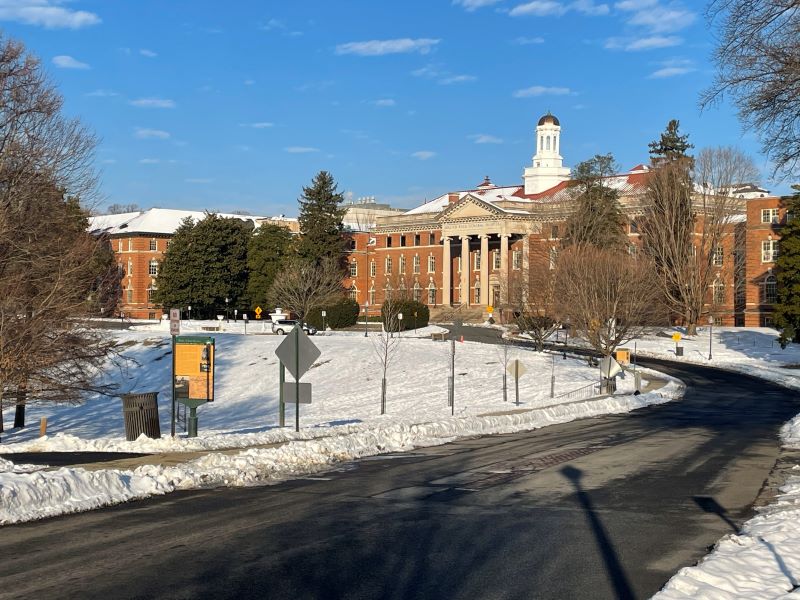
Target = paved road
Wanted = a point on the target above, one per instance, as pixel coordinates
(605, 508)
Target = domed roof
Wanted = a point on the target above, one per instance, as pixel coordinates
(548, 118)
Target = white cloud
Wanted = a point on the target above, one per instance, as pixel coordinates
(539, 8)
(102, 94)
(46, 13)
(143, 133)
(527, 41)
(149, 161)
(382, 47)
(258, 125)
(249, 82)
(662, 19)
(646, 43)
(673, 68)
(428, 71)
(423, 154)
(485, 138)
(589, 8)
(300, 149)
(153, 103)
(634, 5)
(67, 62)
(148, 53)
(198, 180)
(384, 102)
(541, 90)
(471, 5)
(458, 79)
(272, 25)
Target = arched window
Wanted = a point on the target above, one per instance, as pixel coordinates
(372, 295)
(719, 292)
(417, 294)
(432, 294)
(555, 143)
(353, 293)
(769, 293)
(541, 146)
(387, 292)
(548, 142)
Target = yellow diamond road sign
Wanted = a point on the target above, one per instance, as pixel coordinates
(676, 337)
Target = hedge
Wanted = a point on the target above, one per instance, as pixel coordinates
(408, 308)
(338, 316)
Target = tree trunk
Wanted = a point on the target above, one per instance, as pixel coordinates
(19, 413)
(2, 428)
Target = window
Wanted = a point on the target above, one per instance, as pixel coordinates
(432, 294)
(119, 245)
(152, 268)
(431, 264)
(388, 265)
(634, 226)
(353, 293)
(770, 290)
(767, 321)
(633, 251)
(548, 142)
(417, 294)
(477, 295)
(417, 239)
(121, 269)
(130, 244)
(372, 268)
(541, 142)
(153, 245)
(719, 292)
(372, 295)
(402, 241)
(130, 267)
(403, 263)
(553, 257)
(387, 292)
(353, 269)
(150, 291)
(151, 316)
(129, 294)
(554, 232)
(431, 239)
(476, 266)
(769, 215)
(769, 250)
(719, 256)
(416, 264)
(516, 260)
(167, 244)
(388, 241)
(496, 260)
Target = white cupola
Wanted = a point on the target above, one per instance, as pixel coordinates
(547, 169)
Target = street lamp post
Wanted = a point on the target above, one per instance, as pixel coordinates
(190, 311)
(227, 320)
(366, 316)
(399, 324)
(710, 334)
(235, 315)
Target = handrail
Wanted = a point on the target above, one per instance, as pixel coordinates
(587, 391)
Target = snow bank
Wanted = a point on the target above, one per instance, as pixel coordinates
(45, 494)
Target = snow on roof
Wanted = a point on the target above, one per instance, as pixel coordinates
(154, 220)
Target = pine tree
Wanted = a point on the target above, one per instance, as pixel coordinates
(267, 252)
(671, 145)
(598, 219)
(787, 309)
(321, 220)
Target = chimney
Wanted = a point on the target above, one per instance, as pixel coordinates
(452, 197)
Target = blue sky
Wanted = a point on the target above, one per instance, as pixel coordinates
(224, 106)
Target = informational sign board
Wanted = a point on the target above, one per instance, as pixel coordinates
(297, 353)
(289, 389)
(516, 368)
(194, 367)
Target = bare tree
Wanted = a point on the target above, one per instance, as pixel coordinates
(607, 296)
(531, 298)
(52, 272)
(304, 285)
(688, 228)
(758, 66)
(386, 344)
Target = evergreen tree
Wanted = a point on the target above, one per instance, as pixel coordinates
(598, 219)
(671, 145)
(787, 309)
(267, 252)
(321, 220)
(205, 264)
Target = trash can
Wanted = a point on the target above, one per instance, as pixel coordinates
(679, 351)
(141, 415)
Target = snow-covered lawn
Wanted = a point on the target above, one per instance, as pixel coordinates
(343, 423)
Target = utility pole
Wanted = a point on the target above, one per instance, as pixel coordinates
(451, 379)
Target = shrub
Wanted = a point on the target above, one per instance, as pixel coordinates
(338, 316)
(408, 308)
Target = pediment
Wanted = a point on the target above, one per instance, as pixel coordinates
(469, 207)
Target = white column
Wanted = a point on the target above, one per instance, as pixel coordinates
(465, 270)
(504, 267)
(485, 269)
(446, 264)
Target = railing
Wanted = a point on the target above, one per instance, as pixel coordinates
(581, 393)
